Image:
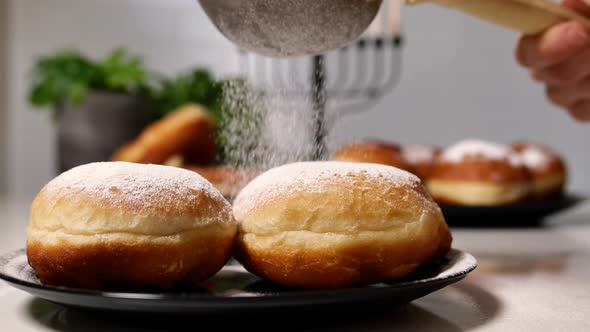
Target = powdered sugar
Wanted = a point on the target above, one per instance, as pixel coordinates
(535, 158)
(418, 153)
(478, 148)
(315, 177)
(262, 132)
(122, 184)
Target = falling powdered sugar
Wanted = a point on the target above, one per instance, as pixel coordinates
(263, 131)
(317, 177)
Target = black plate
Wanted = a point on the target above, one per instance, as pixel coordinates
(233, 290)
(514, 215)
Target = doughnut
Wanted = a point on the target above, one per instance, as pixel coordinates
(118, 225)
(420, 158)
(228, 180)
(189, 131)
(479, 173)
(330, 224)
(372, 151)
(547, 167)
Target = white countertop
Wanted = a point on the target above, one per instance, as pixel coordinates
(535, 279)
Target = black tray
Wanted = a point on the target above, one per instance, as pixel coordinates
(524, 214)
(233, 290)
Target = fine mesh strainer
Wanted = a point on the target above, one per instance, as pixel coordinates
(285, 28)
(347, 80)
(334, 62)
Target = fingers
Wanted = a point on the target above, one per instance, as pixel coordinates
(571, 70)
(573, 97)
(581, 111)
(556, 45)
(560, 58)
(569, 94)
(580, 6)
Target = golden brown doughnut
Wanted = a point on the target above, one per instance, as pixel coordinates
(548, 168)
(475, 172)
(129, 226)
(189, 131)
(337, 224)
(228, 180)
(420, 158)
(372, 151)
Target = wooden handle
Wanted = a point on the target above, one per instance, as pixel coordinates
(526, 16)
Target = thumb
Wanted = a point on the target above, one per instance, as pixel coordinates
(580, 6)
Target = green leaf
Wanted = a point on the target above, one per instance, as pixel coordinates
(68, 75)
(77, 93)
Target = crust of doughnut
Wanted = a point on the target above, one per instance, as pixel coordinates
(353, 231)
(127, 261)
(549, 185)
(189, 131)
(331, 260)
(472, 193)
(105, 236)
(550, 178)
(422, 168)
(228, 180)
(372, 151)
(88, 215)
(480, 170)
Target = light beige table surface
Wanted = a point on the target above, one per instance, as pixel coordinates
(535, 279)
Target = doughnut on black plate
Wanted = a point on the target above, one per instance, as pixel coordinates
(234, 290)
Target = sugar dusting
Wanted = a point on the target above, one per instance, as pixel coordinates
(316, 177)
(478, 148)
(535, 158)
(122, 184)
(418, 153)
(266, 131)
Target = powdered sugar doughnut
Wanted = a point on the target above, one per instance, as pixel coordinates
(476, 172)
(547, 167)
(337, 224)
(123, 225)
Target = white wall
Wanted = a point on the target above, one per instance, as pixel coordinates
(460, 80)
(459, 77)
(171, 34)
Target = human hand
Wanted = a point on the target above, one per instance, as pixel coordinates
(560, 58)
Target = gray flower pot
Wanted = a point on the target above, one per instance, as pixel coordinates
(94, 130)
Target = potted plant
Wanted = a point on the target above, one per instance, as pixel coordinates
(98, 105)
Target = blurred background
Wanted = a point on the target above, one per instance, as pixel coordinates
(458, 79)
